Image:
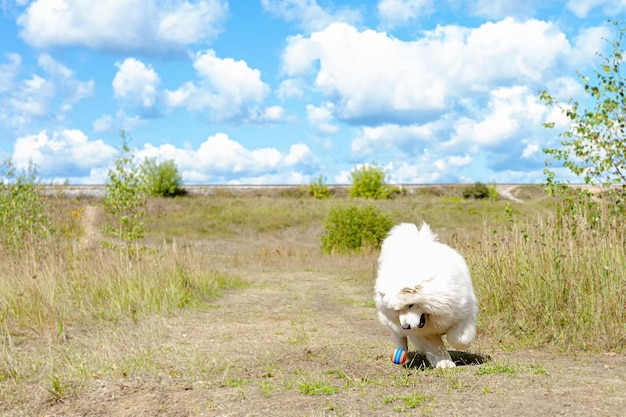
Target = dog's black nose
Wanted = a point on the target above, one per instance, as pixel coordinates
(406, 326)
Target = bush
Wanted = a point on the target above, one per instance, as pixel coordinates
(22, 209)
(161, 179)
(368, 181)
(318, 188)
(125, 201)
(477, 191)
(349, 229)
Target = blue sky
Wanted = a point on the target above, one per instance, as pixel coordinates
(283, 91)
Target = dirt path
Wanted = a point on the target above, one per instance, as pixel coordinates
(505, 191)
(309, 344)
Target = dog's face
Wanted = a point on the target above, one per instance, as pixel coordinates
(411, 313)
(411, 317)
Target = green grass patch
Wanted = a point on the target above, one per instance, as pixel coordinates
(497, 368)
(410, 401)
(317, 388)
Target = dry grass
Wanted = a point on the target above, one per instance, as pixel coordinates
(538, 283)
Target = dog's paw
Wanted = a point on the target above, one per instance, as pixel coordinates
(445, 363)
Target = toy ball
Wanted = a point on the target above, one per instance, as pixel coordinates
(398, 356)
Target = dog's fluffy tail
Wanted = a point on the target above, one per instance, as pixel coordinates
(405, 233)
(425, 233)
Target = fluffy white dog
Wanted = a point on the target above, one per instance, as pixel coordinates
(423, 291)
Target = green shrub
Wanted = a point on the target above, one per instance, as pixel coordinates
(493, 192)
(349, 229)
(318, 188)
(125, 201)
(22, 209)
(368, 181)
(477, 191)
(161, 179)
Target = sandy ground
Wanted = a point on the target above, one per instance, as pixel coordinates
(309, 344)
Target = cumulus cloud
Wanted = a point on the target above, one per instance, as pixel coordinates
(271, 114)
(221, 159)
(32, 98)
(506, 131)
(401, 139)
(291, 88)
(510, 109)
(582, 8)
(228, 89)
(321, 118)
(63, 154)
(136, 83)
(400, 12)
(148, 26)
(9, 71)
(308, 14)
(113, 123)
(586, 44)
(71, 154)
(503, 8)
(401, 84)
(35, 97)
(69, 88)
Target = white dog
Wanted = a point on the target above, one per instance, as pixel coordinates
(423, 291)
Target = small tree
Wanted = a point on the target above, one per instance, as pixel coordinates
(23, 218)
(595, 145)
(161, 179)
(124, 200)
(368, 181)
(318, 188)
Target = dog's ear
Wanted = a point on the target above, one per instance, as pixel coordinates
(409, 295)
(410, 291)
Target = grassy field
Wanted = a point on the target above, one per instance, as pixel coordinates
(73, 313)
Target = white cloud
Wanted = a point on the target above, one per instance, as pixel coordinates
(109, 123)
(509, 110)
(187, 95)
(586, 44)
(401, 85)
(52, 95)
(32, 97)
(503, 8)
(308, 14)
(136, 83)
(459, 161)
(451, 163)
(229, 89)
(581, 8)
(71, 154)
(272, 114)
(69, 88)
(221, 159)
(530, 150)
(291, 88)
(399, 138)
(321, 118)
(62, 154)
(400, 12)
(122, 25)
(9, 71)
(103, 123)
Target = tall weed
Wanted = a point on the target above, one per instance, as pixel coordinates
(44, 293)
(559, 280)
